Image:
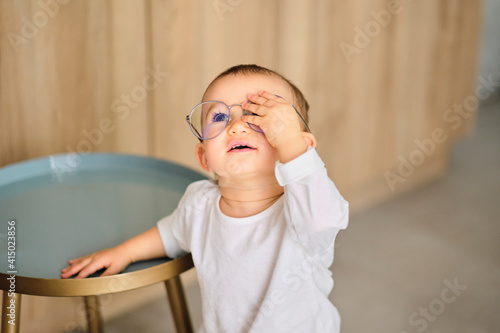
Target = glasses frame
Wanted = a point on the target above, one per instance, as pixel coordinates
(198, 135)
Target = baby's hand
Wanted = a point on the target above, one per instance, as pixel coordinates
(280, 122)
(275, 116)
(114, 260)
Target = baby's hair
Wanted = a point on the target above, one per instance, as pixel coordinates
(300, 101)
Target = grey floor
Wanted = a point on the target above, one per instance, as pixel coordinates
(428, 261)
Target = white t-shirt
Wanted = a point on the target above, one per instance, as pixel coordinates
(268, 272)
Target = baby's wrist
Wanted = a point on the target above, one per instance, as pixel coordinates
(127, 253)
(291, 148)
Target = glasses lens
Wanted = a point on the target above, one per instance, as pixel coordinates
(208, 119)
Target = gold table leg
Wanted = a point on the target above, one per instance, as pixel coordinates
(94, 319)
(178, 305)
(11, 311)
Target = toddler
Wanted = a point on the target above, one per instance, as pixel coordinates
(261, 235)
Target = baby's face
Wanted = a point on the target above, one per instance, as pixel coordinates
(239, 150)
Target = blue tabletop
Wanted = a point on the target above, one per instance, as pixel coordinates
(58, 208)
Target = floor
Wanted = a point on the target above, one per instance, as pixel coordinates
(428, 261)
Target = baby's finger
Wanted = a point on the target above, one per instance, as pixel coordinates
(89, 269)
(270, 96)
(254, 120)
(254, 108)
(66, 272)
(260, 100)
(112, 269)
(77, 260)
(75, 266)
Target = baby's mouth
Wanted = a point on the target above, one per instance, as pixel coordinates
(240, 147)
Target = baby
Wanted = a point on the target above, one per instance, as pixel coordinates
(261, 235)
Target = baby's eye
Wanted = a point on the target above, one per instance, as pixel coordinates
(219, 117)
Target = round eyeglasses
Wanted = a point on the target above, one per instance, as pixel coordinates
(208, 119)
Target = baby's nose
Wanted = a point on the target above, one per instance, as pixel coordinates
(236, 124)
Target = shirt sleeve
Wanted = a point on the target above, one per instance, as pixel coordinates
(170, 243)
(176, 229)
(314, 209)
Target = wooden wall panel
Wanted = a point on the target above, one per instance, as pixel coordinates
(53, 86)
(130, 67)
(181, 86)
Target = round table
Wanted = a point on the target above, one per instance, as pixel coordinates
(61, 207)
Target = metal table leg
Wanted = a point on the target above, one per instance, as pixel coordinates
(94, 319)
(178, 305)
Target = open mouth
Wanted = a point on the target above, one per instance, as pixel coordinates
(240, 147)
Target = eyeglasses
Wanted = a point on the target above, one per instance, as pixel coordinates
(208, 119)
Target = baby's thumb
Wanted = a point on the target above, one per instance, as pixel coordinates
(112, 270)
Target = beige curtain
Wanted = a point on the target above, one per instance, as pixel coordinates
(382, 78)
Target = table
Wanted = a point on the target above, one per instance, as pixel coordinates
(60, 207)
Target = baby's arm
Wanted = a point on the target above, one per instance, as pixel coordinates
(147, 245)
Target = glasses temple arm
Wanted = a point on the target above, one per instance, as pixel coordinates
(298, 113)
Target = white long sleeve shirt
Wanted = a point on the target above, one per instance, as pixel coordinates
(268, 272)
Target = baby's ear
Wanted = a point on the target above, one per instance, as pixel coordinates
(310, 139)
(201, 156)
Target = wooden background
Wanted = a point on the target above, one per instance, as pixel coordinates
(75, 77)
